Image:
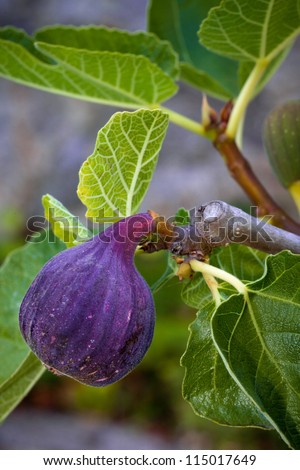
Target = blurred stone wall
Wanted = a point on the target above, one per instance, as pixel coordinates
(44, 138)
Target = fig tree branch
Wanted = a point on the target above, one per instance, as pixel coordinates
(221, 128)
(219, 224)
(242, 172)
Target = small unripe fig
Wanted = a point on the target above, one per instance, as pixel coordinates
(282, 141)
(89, 314)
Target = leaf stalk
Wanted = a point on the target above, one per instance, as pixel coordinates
(208, 269)
(244, 98)
(186, 123)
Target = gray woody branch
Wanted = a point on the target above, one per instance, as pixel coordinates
(219, 224)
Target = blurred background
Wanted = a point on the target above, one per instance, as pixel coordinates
(44, 139)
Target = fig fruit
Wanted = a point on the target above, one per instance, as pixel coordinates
(282, 142)
(89, 314)
(281, 137)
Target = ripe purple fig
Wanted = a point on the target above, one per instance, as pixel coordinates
(89, 314)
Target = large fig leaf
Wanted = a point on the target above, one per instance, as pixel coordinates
(251, 30)
(16, 274)
(178, 22)
(120, 79)
(115, 178)
(258, 335)
(208, 386)
(100, 38)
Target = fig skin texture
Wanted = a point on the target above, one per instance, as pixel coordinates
(89, 314)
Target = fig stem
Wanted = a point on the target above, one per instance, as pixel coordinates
(294, 190)
(208, 269)
(217, 223)
(242, 172)
(244, 98)
(213, 286)
(187, 123)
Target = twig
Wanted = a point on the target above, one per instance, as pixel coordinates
(242, 172)
(219, 224)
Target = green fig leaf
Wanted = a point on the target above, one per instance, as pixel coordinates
(16, 275)
(207, 385)
(19, 384)
(114, 179)
(66, 226)
(126, 80)
(100, 38)
(251, 31)
(178, 22)
(257, 336)
(182, 217)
